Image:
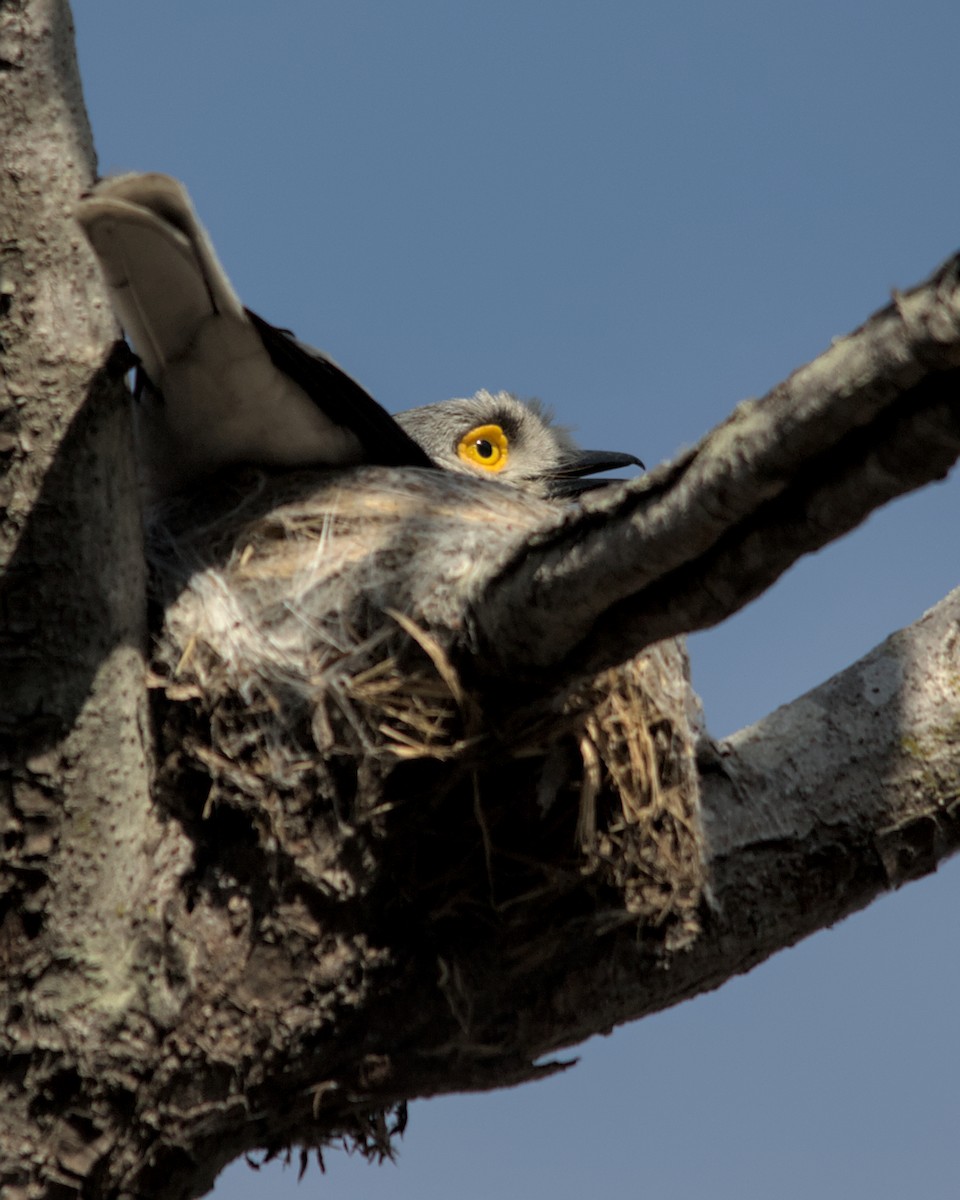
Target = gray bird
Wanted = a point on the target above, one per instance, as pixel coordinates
(509, 439)
(224, 386)
(219, 385)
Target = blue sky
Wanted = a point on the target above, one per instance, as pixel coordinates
(642, 213)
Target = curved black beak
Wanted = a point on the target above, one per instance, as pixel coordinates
(567, 478)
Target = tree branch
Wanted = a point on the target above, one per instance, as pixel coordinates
(848, 791)
(74, 800)
(877, 415)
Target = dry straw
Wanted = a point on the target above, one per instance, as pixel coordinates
(316, 645)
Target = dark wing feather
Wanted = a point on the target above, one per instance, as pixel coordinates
(341, 399)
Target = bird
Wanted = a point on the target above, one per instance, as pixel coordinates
(219, 385)
(498, 435)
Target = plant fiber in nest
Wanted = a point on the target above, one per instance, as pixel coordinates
(315, 658)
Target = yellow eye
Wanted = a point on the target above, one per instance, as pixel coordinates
(484, 446)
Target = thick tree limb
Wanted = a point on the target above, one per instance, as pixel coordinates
(74, 801)
(850, 790)
(877, 415)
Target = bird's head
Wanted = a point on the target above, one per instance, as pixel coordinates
(509, 439)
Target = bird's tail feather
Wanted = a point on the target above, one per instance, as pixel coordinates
(158, 261)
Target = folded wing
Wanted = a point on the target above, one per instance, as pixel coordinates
(226, 386)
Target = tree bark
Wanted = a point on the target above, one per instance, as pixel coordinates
(76, 813)
(402, 801)
(685, 546)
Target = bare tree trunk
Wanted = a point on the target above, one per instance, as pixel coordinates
(413, 802)
(75, 801)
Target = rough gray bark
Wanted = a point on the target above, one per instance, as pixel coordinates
(848, 791)
(75, 801)
(401, 837)
(688, 544)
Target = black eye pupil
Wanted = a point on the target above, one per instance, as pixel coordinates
(484, 448)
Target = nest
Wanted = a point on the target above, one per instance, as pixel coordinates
(314, 662)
